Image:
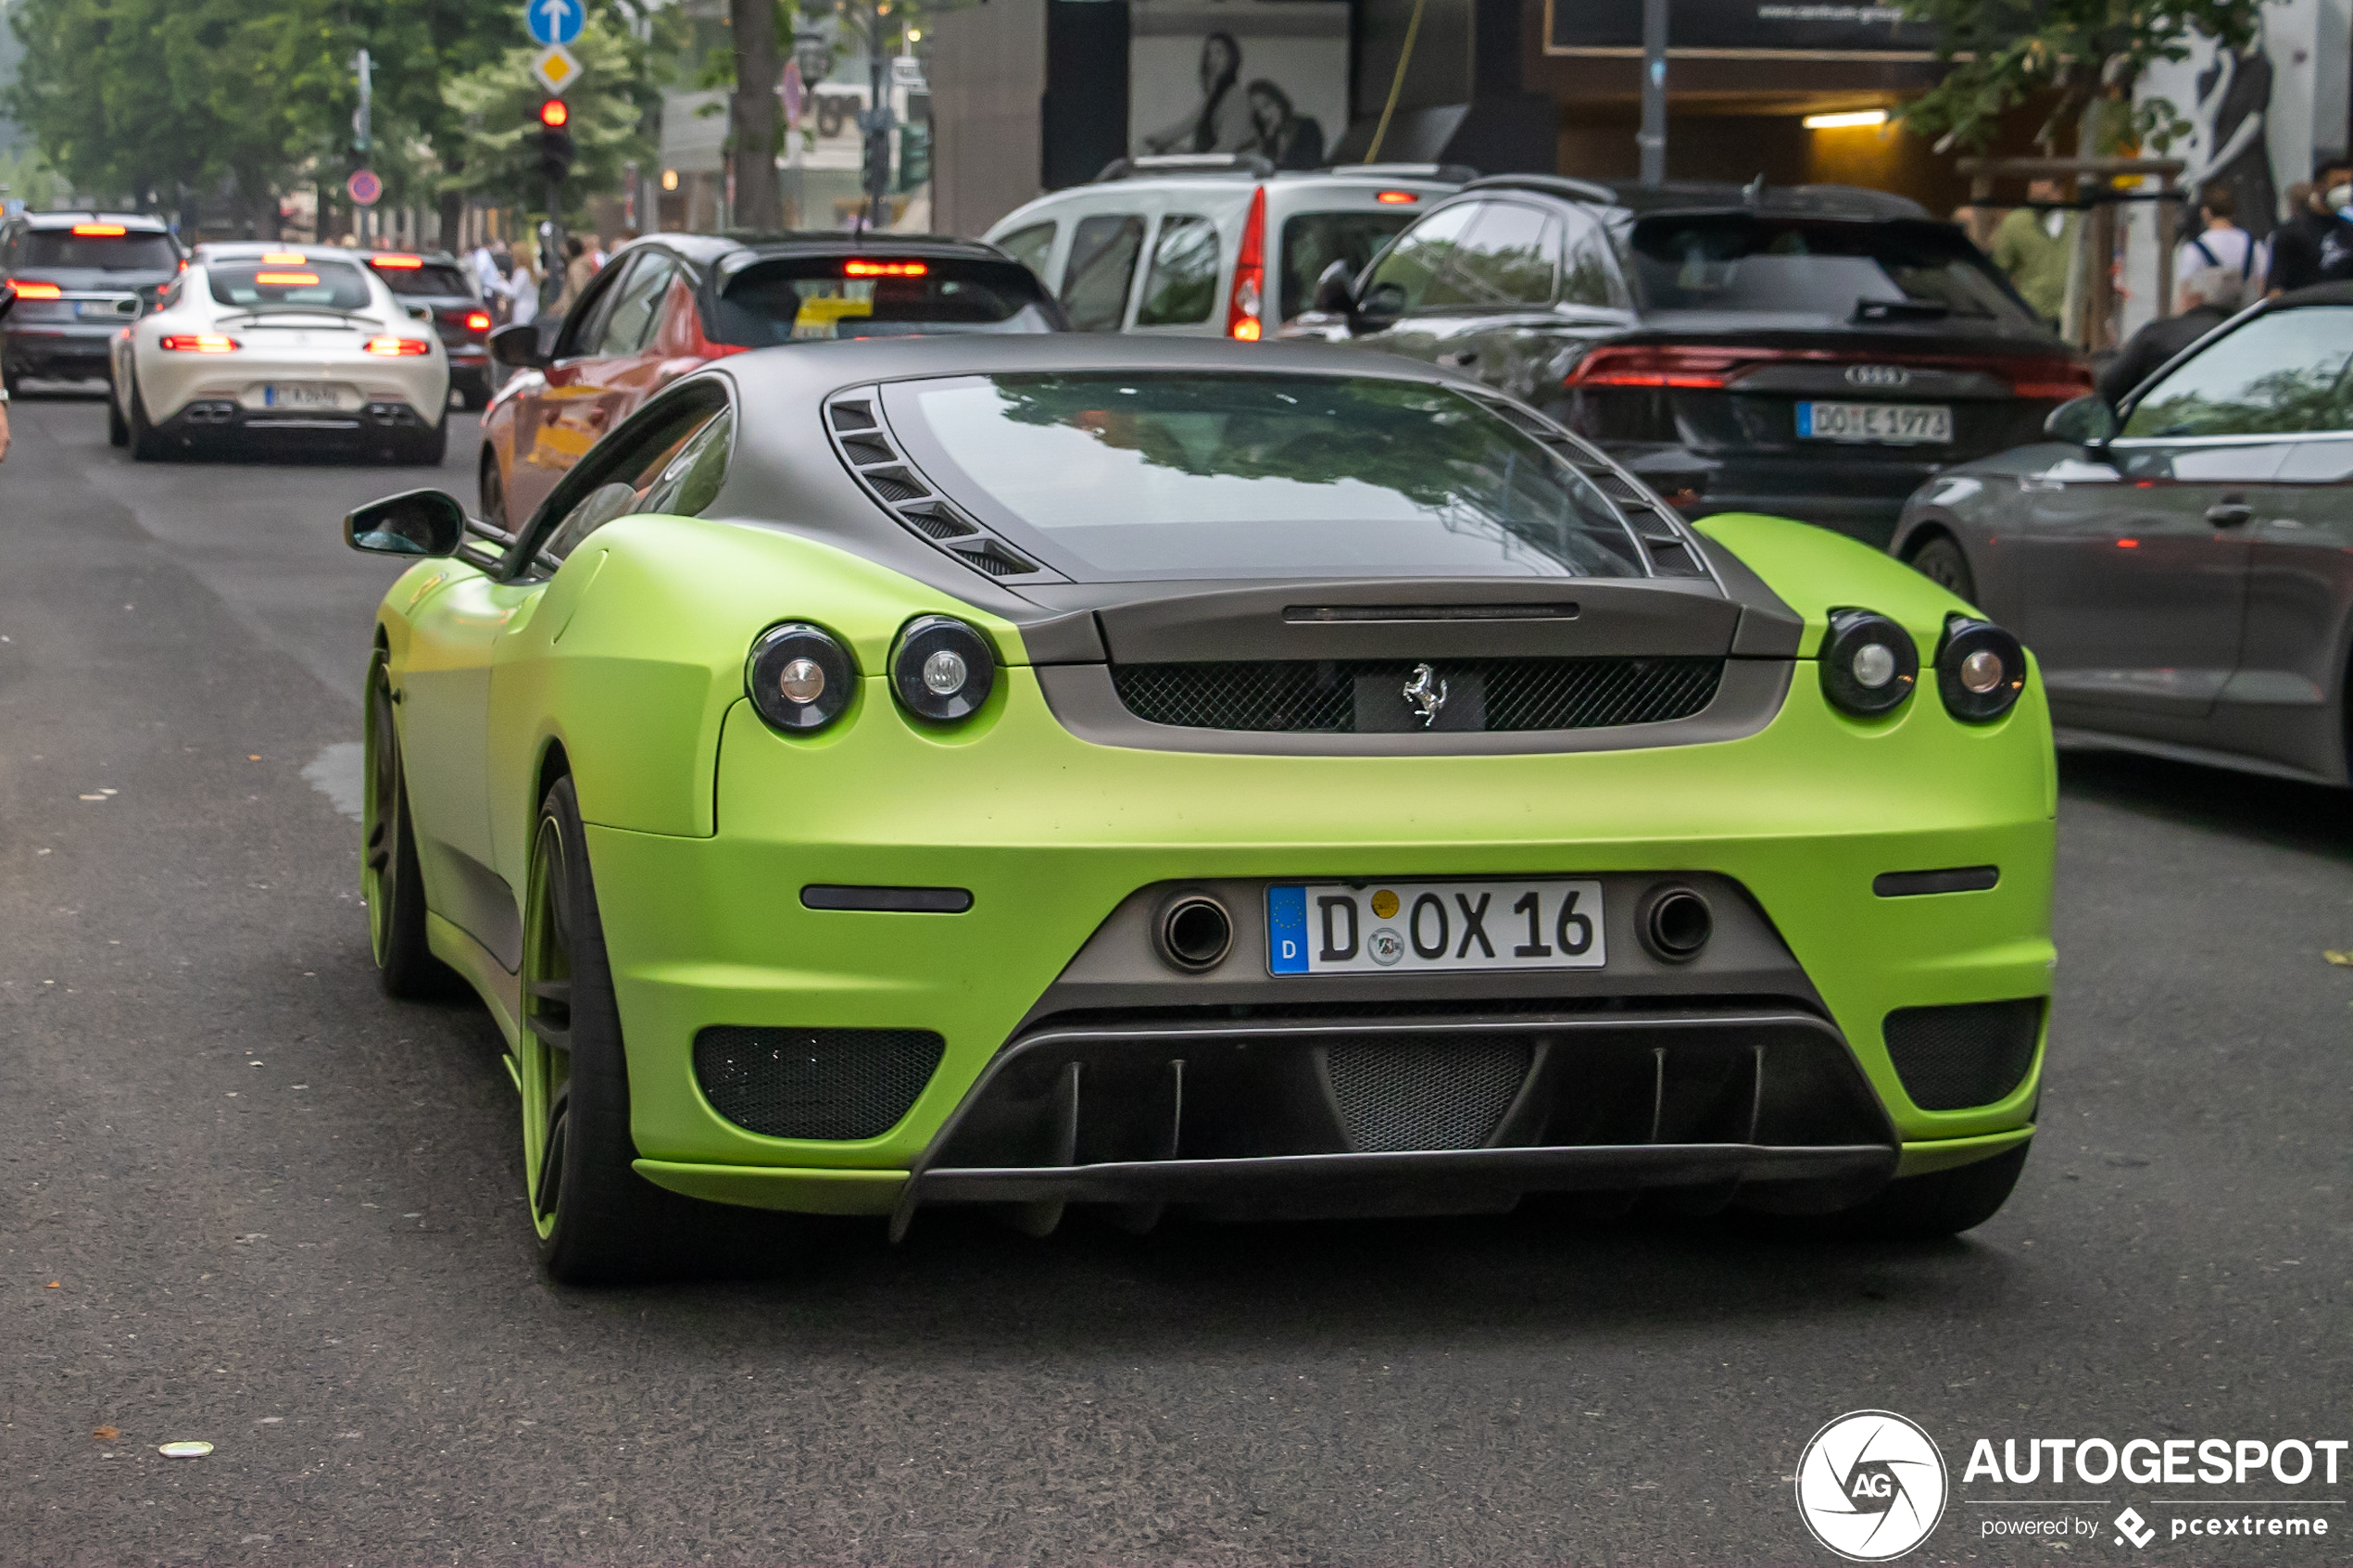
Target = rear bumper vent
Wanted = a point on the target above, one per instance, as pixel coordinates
(1957, 1057)
(1426, 1094)
(1341, 697)
(834, 1084)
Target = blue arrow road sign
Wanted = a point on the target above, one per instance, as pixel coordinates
(555, 21)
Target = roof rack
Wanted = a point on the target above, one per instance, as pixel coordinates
(1250, 164)
(1453, 173)
(1558, 184)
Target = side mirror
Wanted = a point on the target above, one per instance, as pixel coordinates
(517, 347)
(417, 522)
(1382, 304)
(2086, 422)
(1335, 290)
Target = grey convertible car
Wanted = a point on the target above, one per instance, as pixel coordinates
(2182, 564)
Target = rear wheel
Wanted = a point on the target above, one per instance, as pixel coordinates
(1942, 563)
(493, 490)
(146, 444)
(117, 431)
(597, 1219)
(389, 876)
(426, 448)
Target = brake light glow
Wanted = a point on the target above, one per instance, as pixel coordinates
(39, 291)
(477, 320)
(282, 258)
(1248, 301)
(1660, 364)
(1396, 198)
(405, 263)
(2054, 378)
(197, 343)
(286, 280)
(884, 269)
(394, 347)
(100, 230)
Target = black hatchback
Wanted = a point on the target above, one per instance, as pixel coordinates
(79, 277)
(437, 288)
(1817, 351)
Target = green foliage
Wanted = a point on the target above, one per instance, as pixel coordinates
(499, 107)
(2089, 52)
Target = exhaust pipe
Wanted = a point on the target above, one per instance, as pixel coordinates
(1194, 933)
(1675, 923)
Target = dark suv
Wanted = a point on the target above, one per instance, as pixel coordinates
(437, 288)
(1815, 350)
(79, 277)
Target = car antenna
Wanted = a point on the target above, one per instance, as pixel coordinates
(1754, 192)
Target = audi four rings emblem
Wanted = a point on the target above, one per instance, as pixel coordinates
(1877, 375)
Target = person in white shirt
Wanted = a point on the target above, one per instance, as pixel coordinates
(2222, 245)
(485, 268)
(522, 292)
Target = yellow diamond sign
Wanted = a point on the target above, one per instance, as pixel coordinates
(557, 67)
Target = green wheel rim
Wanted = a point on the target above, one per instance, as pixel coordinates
(543, 1049)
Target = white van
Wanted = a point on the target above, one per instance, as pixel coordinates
(1211, 245)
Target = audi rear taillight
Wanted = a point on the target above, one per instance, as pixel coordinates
(197, 343)
(27, 289)
(1660, 364)
(1245, 307)
(393, 347)
(2054, 378)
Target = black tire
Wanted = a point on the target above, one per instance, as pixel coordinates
(117, 431)
(599, 1222)
(428, 447)
(388, 871)
(1942, 561)
(146, 444)
(1941, 1203)
(493, 490)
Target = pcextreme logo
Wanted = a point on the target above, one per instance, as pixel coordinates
(1870, 1486)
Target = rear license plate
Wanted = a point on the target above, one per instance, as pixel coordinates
(1336, 928)
(300, 396)
(1895, 424)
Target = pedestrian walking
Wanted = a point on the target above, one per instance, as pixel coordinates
(2315, 246)
(2036, 247)
(2208, 296)
(2221, 245)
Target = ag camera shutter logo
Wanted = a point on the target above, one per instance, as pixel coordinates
(1870, 1486)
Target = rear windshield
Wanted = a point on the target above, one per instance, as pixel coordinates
(119, 253)
(425, 278)
(328, 285)
(817, 298)
(1816, 267)
(1312, 241)
(1151, 475)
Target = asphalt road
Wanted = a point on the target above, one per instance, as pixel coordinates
(245, 1199)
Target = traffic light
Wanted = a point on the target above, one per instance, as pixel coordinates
(555, 139)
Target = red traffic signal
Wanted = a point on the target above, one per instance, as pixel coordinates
(554, 114)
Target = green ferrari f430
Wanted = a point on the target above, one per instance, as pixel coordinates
(1251, 781)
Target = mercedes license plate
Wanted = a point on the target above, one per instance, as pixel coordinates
(1893, 424)
(1364, 928)
(300, 395)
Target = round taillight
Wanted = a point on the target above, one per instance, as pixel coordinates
(941, 668)
(1981, 669)
(1869, 663)
(799, 677)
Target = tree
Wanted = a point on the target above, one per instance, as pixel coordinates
(2090, 53)
(758, 118)
(497, 105)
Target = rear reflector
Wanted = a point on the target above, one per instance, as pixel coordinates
(405, 263)
(1397, 198)
(100, 230)
(884, 269)
(39, 291)
(197, 343)
(394, 347)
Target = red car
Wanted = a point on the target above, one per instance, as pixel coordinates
(669, 303)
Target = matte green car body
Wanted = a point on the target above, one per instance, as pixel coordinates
(626, 668)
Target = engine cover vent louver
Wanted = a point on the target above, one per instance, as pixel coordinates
(854, 421)
(1671, 551)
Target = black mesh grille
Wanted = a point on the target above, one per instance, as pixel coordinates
(1400, 1095)
(1520, 694)
(865, 449)
(1953, 1058)
(814, 1082)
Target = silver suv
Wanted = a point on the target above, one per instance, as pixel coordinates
(1218, 244)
